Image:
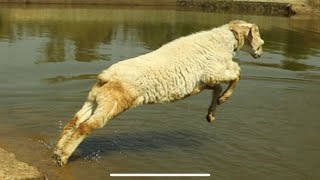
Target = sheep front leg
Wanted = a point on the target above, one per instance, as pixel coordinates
(217, 89)
(228, 92)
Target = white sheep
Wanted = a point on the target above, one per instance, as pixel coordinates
(178, 69)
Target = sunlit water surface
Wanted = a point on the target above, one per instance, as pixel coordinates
(49, 57)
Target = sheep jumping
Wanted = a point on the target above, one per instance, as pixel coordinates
(178, 69)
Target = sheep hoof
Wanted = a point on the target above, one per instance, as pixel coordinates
(221, 100)
(58, 159)
(210, 118)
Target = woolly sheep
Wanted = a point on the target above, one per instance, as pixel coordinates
(178, 69)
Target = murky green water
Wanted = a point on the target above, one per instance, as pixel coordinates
(49, 57)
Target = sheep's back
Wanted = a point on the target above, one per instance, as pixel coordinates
(176, 69)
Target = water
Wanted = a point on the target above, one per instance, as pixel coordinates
(50, 56)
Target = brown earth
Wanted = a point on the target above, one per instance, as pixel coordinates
(12, 169)
(260, 7)
(305, 9)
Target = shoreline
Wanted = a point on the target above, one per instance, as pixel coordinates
(255, 7)
(96, 2)
(11, 168)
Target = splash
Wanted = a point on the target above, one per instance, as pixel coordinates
(60, 126)
(95, 156)
(48, 146)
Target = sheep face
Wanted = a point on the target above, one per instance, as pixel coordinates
(248, 37)
(253, 42)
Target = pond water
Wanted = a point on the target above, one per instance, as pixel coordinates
(50, 55)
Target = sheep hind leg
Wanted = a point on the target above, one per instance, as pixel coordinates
(103, 113)
(228, 92)
(82, 115)
(217, 89)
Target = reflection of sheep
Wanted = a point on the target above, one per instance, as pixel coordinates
(181, 68)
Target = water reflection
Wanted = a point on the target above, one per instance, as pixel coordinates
(285, 64)
(291, 41)
(58, 79)
(79, 34)
(141, 141)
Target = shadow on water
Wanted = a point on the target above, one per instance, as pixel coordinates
(97, 146)
(139, 142)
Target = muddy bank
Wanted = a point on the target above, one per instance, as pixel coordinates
(257, 7)
(104, 2)
(12, 169)
(239, 7)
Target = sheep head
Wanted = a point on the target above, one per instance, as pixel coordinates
(248, 37)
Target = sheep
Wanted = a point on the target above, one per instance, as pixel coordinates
(181, 68)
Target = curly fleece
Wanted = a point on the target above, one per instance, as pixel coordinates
(180, 68)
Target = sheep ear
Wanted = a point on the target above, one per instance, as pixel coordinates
(254, 36)
(239, 34)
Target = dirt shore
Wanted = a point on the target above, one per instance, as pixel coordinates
(12, 169)
(257, 7)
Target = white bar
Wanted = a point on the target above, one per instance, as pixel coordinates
(158, 175)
